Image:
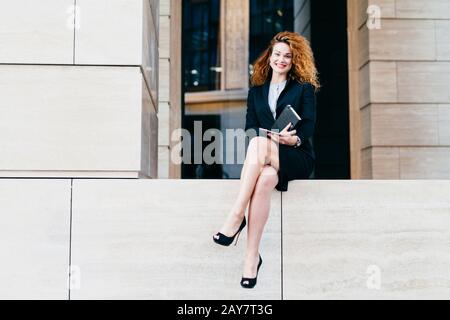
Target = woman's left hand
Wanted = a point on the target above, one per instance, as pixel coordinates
(285, 137)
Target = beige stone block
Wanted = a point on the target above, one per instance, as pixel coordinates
(403, 40)
(364, 86)
(366, 240)
(236, 15)
(176, 90)
(34, 239)
(431, 9)
(175, 141)
(155, 7)
(425, 163)
(164, 7)
(383, 81)
(163, 120)
(366, 127)
(164, 80)
(149, 136)
(174, 171)
(366, 164)
(154, 145)
(386, 9)
(385, 163)
(36, 33)
(404, 125)
(164, 37)
(175, 121)
(363, 46)
(110, 32)
(72, 118)
(443, 39)
(131, 240)
(150, 53)
(423, 82)
(377, 83)
(117, 32)
(163, 162)
(444, 127)
(361, 12)
(380, 163)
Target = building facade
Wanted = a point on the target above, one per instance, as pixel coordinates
(106, 88)
(96, 89)
(399, 79)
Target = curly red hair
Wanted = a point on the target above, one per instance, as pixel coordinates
(303, 66)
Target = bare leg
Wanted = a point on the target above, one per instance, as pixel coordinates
(260, 152)
(258, 214)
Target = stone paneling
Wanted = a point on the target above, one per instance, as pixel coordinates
(420, 82)
(110, 32)
(404, 125)
(164, 36)
(131, 240)
(366, 240)
(425, 163)
(380, 163)
(71, 118)
(444, 127)
(403, 40)
(36, 33)
(443, 39)
(430, 9)
(236, 47)
(164, 122)
(34, 239)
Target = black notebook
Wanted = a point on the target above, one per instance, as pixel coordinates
(287, 115)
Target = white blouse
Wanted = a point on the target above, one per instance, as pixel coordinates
(274, 92)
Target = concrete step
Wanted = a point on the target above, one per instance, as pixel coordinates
(152, 239)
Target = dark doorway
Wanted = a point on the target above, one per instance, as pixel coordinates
(201, 170)
(329, 43)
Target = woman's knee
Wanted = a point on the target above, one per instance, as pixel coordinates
(267, 180)
(258, 143)
(258, 147)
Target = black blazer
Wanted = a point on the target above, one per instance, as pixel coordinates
(301, 96)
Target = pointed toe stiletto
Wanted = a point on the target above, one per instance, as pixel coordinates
(224, 240)
(249, 283)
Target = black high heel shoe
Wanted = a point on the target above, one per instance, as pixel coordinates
(223, 240)
(249, 283)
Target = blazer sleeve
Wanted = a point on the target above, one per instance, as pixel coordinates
(305, 128)
(251, 120)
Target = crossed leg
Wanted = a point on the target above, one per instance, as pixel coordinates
(258, 213)
(258, 179)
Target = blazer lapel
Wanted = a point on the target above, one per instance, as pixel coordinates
(279, 108)
(265, 88)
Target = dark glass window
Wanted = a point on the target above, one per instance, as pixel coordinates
(201, 50)
(267, 18)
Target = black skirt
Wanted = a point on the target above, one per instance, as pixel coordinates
(294, 164)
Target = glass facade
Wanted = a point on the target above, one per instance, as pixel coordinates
(201, 46)
(267, 18)
(202, 71)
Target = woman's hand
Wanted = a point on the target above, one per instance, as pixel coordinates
(285, 137)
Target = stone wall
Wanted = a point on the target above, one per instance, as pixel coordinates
(78, 81)
(399, 79)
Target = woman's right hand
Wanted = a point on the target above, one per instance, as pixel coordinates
(285, 137)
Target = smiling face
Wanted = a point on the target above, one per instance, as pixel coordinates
(281, 58)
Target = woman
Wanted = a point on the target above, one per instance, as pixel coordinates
(285, 74)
